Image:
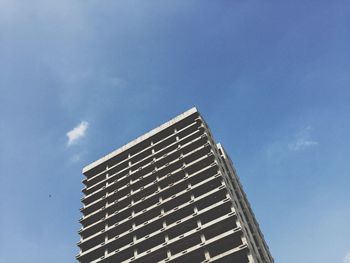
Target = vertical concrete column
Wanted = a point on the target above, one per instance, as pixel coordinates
(192, 196)
(166, 237)
(166, 241)
(199, 223)
(134, 238)
(132, 215)
(189, 186)
(206, 252)
(157, 180)
(177, 136)
(153, 151)
(106, 240)
(244, 239)
(238, 222)
(186, 172)
(250, 258)
(129, 162)
(202, 237)
(233, 209)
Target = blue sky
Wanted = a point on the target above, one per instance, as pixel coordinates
(272, 79)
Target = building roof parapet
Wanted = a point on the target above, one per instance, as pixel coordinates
(140, 139)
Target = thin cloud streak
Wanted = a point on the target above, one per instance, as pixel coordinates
(301, 144)
(77, 133)
(76, 158)
(347, 258)
(302, 140)
(281, 149)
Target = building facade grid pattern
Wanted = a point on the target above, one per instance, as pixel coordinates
(171, 196)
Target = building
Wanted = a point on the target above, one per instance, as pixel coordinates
(171, 195)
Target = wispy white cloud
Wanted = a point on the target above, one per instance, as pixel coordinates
(75, 158)
(279, 150)
(77, 132)
(302, 140)
(347, 258)
(301, 144)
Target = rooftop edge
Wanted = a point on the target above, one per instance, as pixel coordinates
(140, 139)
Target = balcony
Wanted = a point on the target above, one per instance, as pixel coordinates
(171, 217)
(123, 174)
(191, 127)
(168, 167)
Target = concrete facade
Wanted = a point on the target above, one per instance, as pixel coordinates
(171, 195)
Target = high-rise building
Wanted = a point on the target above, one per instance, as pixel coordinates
(171, 195)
